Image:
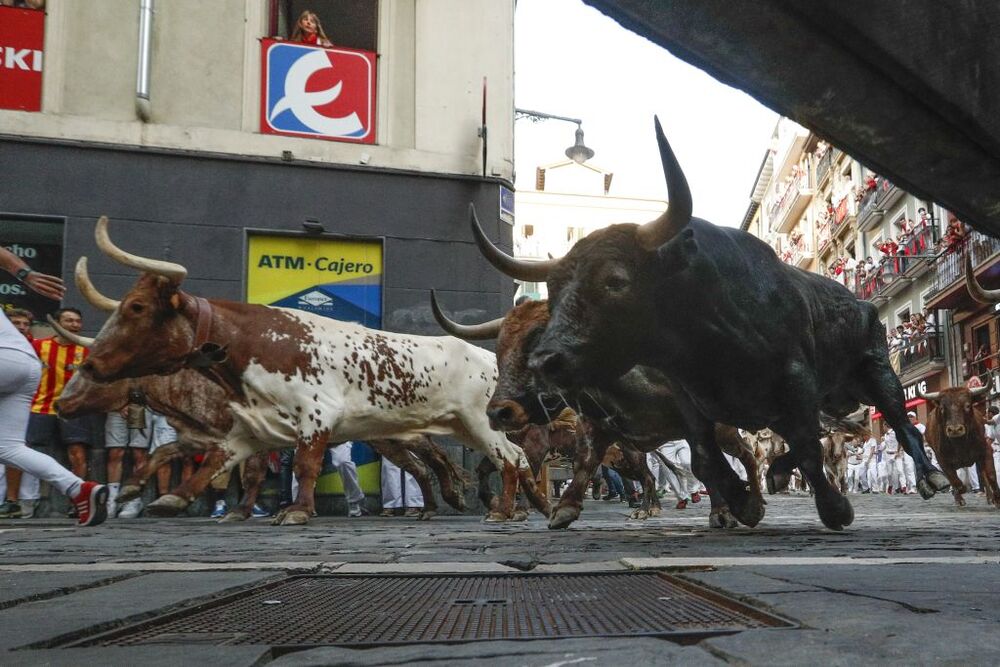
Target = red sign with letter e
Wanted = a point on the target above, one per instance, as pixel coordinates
(22, 40)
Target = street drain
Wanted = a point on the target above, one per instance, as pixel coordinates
(355, 610)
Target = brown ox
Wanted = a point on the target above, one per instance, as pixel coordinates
(199, 412)
(640, 412)
(956, 433)
(296, 379)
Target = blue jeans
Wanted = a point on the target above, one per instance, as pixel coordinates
(614, 481)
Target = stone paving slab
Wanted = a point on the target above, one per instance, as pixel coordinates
(146, 656)
(16, 588)
(33, 622)
(537, 653)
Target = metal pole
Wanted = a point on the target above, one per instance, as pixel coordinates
(142, 107)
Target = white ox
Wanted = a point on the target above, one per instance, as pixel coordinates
(300, 380)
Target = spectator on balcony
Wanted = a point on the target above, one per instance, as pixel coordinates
(309, 30)
(925, 218)
(930, 323)
(887, 248)
(954, 237)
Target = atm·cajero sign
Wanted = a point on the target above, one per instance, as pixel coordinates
(22, 40)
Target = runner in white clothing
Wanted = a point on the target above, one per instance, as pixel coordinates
(20, 371)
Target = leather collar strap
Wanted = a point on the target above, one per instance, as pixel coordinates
(203, 320)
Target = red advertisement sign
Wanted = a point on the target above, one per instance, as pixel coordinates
(22, 41)
(311, 91)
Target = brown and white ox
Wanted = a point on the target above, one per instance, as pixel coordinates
(295, 379)
(198, 410)
(956, 434)
(640, 413)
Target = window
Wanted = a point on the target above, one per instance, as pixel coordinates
(40, 244)
(349, 23)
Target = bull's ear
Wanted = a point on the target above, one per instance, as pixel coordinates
(677, 254)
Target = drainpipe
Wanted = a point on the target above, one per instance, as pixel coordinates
(142, 107)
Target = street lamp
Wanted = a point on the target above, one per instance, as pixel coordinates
(578, 152)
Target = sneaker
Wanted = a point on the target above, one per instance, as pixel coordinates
(681, 504)
(10, 510)
(27, 508)
(131, 509)
(355, 510)
(220, 509)
(91, 504)
(259, 512)
(388, 512)
(610, 496)
(660, 493)
(695, 497)
(113, 506)
(413, 512)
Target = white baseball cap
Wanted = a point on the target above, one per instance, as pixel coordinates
(911, 413)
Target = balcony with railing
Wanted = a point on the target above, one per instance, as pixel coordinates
(949, 264)
(791, 203)
(918, 251)
(881, 282)
(797, 252)
(869, 214)
(824, 234)
(824, 166)
(841, 214)
(914, 356)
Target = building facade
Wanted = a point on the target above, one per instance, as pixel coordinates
(825, 212)
(201, 133)
(335, 180)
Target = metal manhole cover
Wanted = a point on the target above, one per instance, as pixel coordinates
(381, 610)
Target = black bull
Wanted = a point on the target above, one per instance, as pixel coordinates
(742, 338)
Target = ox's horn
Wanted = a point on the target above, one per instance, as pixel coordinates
(175, 272)
(71, 337)
(929, 396)
(86, 287)
(977, 291)
(485, 331)
(654, 234)
(532, 271)
(979, 391)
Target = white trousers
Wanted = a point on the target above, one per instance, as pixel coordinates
(737, 466)
(872, 473)
(340, 456)
(910, 472)
(19, 376)
(895, 475)
(855, 477)
(969, 477)
(399, 489)
(678, 452)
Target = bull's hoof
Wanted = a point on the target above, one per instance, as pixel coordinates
(925, 490)
(836, 513)
(129, 492)
(292, 518)
(233, 517)
(721, 518)
(562, 517)
(456, 502)
(655, 511)
(937, 480)
(519, 515)
(959, 500)
(426, 515)
(639, 515)
(749, 509)
(495, 517)
(166, 506)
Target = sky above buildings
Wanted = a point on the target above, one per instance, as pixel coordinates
(571, 60)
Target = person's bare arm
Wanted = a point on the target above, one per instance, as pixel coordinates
(48, 286)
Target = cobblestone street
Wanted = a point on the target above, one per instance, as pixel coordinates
(909, 581)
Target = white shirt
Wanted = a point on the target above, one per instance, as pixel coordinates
(854, 454)
(13, 339)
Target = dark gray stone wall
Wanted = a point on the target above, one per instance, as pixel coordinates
(196, 209)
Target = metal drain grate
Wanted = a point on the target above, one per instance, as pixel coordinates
(348, 610)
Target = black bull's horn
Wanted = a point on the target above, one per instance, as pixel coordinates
(485, 331)
(650, 235)
(977, 291)
(175, 272)
(71, 337)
